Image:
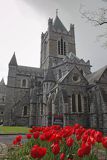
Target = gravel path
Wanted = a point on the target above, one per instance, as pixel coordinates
(8, 139)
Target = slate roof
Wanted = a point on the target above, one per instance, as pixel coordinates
(50, 76)
(59, 25)
(13, 60)
(95, 76)
(30, 70)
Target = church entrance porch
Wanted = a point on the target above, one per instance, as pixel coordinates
(58, 120)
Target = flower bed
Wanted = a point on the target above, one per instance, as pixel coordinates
(56, 143)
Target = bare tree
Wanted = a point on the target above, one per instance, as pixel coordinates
(97, 18)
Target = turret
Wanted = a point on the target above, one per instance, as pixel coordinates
(13, 66)
(50, 24)
(71, 31)
(10, 90)
(13, 61)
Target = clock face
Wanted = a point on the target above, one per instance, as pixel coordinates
(76, 77)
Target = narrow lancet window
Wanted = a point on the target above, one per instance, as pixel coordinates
(73, 103)
(64, 48)
(59, 47)
(79, 104)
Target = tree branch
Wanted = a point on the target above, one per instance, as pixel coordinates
(98, 18)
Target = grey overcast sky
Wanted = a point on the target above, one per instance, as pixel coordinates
(22, 21)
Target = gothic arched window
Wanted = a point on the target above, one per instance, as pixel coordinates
(73, 103)
(64, 48)
(25, 110)
(79, 104)
(61, 47)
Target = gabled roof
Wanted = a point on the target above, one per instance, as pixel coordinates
(95, 76)
(67, 74)
(59, 25)
(50, 76)
(13, 61)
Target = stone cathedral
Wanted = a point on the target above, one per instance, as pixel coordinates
(62, 91)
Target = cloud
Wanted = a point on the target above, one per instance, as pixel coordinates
(44, 7)
(48, 7)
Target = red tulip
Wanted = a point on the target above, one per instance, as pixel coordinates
(28, 136)
(98, 136)
(69, 142)
(62, 156)
(42, 137)
(38, 152)
(36, 135)
(55, 148)
(80, 152)
(104, 142)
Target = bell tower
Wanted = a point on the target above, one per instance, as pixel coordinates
(56, 42)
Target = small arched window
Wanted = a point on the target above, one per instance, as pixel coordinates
(25, 110)
(24, 83)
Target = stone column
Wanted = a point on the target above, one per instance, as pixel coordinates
(71, 104)
(76, 101)
(64, 120)
(53, 111)
(82, 103)
(32, 115)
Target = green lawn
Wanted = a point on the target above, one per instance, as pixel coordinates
(12, 130)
